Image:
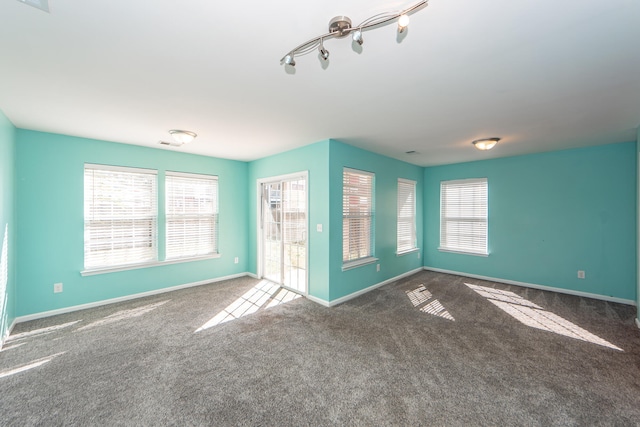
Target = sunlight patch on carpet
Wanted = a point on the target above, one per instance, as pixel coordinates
(11, 346)
(123, 315)
(435, 308)
(421, 295)
(28, 366)
(38, 332)
(534, 316)
(263, 295)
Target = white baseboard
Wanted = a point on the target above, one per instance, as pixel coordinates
(318, 300)
(534, 286)
(43, 314)
(369, 289)
(638, 322)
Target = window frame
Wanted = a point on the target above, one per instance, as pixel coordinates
(214, 215)
(369, 257)
(482, 207)
(402, 218)
(152, 216)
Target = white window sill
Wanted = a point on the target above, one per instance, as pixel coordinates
(408, 251)
(458, 251)
(358, 263)
(114, 269)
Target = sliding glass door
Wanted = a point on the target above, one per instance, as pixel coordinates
(283, 224)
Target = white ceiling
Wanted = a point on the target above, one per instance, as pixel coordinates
(543, 75)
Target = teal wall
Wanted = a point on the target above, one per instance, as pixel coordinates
(7, 226)
(314, 159)
(551, 215)
(325, 161)
(387, 171)
(50, 196)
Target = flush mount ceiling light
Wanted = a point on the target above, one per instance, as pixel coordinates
(486, 143)
(340, 26)
(182, 136)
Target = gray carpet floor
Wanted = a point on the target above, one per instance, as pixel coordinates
(431, 349)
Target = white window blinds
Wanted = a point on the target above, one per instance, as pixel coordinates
(357, 215)
(191, 215)
(463, 216)
(406, 215)
(120, 216)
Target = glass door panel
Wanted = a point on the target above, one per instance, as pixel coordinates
(284, 230)
(294, 204)
(272, 231)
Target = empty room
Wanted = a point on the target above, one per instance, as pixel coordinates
(319, 213)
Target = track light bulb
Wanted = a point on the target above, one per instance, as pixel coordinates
(289, 60)
(403, 22)
(357, 37)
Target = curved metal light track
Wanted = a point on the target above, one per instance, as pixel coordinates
(345, 29)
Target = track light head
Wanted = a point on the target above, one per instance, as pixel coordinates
(288, 60)
(403, 22)
(357, 37)
(324, 53)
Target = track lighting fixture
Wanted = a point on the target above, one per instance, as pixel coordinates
(340, 26)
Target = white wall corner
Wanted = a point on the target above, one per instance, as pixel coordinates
(356, 294)
(317, 300)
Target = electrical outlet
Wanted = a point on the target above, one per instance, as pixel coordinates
(319, 228)
(57, 288)
(235, 260)
(581, 274)
(418, 255)
(377, 267)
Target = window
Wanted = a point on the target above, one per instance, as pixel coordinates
(120, 216)
(463, 216)
(191, 215)
(357, 217)
(406, 216)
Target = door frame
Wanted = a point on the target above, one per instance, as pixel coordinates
(259, 231)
